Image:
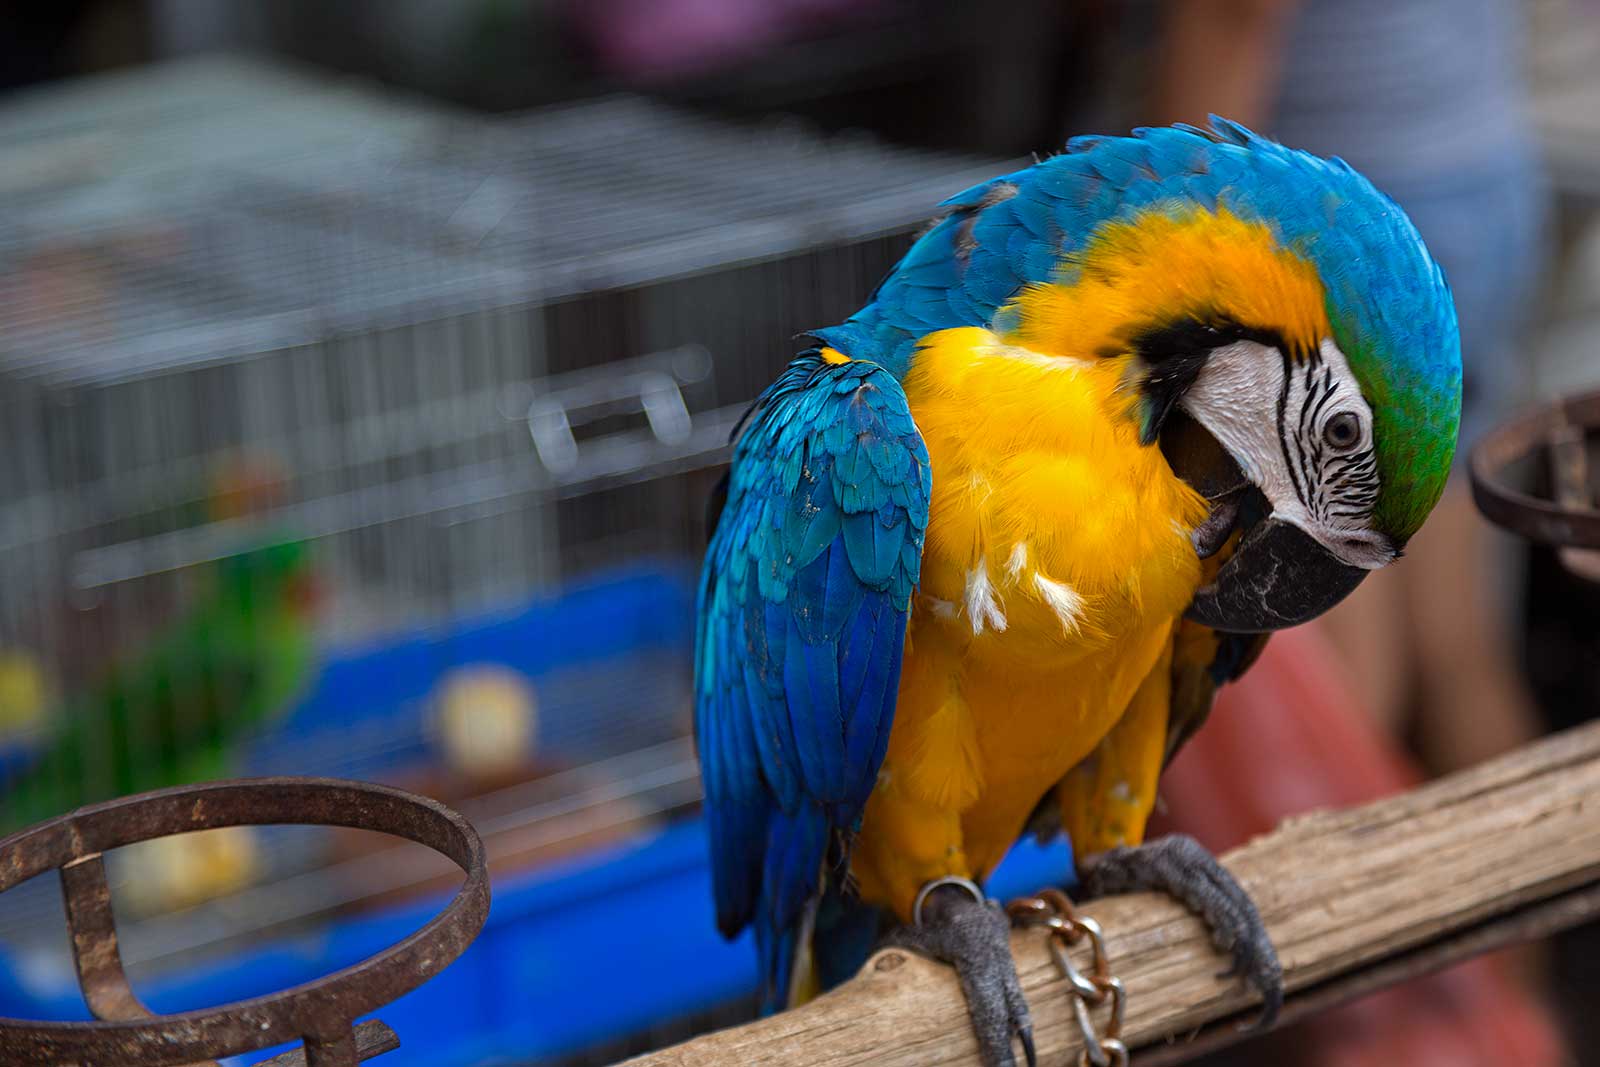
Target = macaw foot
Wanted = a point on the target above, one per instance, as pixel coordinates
(1179, 866)
(955, 925)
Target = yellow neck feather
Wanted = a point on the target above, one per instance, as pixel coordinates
(1162, 268)
(1040, 450)
(1010, 397)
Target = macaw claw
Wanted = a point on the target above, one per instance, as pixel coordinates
(1180, 866)
(974, 937)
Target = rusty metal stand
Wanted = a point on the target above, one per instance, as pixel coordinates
(320, 1014)
(1570, 521)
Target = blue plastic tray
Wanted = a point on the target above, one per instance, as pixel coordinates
(574, 954)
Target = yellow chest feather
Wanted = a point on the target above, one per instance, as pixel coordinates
(1057, 558)
(1052, 532)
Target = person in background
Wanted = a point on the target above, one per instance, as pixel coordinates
(1427, 98)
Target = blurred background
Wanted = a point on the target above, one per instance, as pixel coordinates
(365, 367)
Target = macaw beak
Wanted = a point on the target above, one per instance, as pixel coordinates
(1278, 576)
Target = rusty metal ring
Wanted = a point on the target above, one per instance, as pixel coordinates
(1112, 1051)
(1057, 899)
(1083, 986)
(1030, 911)
(1119, 1003)
(1545, 521)
(320, 1012)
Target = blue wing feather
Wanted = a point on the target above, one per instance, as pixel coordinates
(811, 683)
(803, 607)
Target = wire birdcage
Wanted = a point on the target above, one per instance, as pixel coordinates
(469, 361)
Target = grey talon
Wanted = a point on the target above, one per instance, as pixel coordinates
(973, 935)
(1180, 867)
(1025, 1035)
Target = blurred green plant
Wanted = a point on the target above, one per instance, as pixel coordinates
(175, 710)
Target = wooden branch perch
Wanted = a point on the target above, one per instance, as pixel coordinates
(1354, 900)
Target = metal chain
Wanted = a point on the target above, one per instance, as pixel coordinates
(1053, 910)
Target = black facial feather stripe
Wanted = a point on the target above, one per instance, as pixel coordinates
(1197, 336)
(1291, 453)
(1330, 485)
(1326, 383)
(1352, 463)
(1309, 451)
(1174, 351)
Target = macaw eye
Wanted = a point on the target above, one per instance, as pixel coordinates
(1342, 431)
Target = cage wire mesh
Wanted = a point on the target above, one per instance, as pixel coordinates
(465, 361)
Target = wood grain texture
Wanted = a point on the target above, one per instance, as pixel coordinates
(1340, 892)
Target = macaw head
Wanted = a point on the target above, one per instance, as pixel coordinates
(1291, 347)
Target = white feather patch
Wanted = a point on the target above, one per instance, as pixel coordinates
(941, 609)
(983, 606)
(1018, 560)
(1064, 600)
(1018, 354)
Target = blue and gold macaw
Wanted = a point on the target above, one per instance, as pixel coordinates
(988, 548)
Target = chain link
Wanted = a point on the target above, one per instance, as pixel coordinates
(1052, 909)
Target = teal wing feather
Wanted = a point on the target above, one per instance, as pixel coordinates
(804, 600)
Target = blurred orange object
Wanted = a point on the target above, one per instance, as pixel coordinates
(1290, 737)
(245, 485)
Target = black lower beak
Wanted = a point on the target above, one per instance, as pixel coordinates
(1279, 576)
